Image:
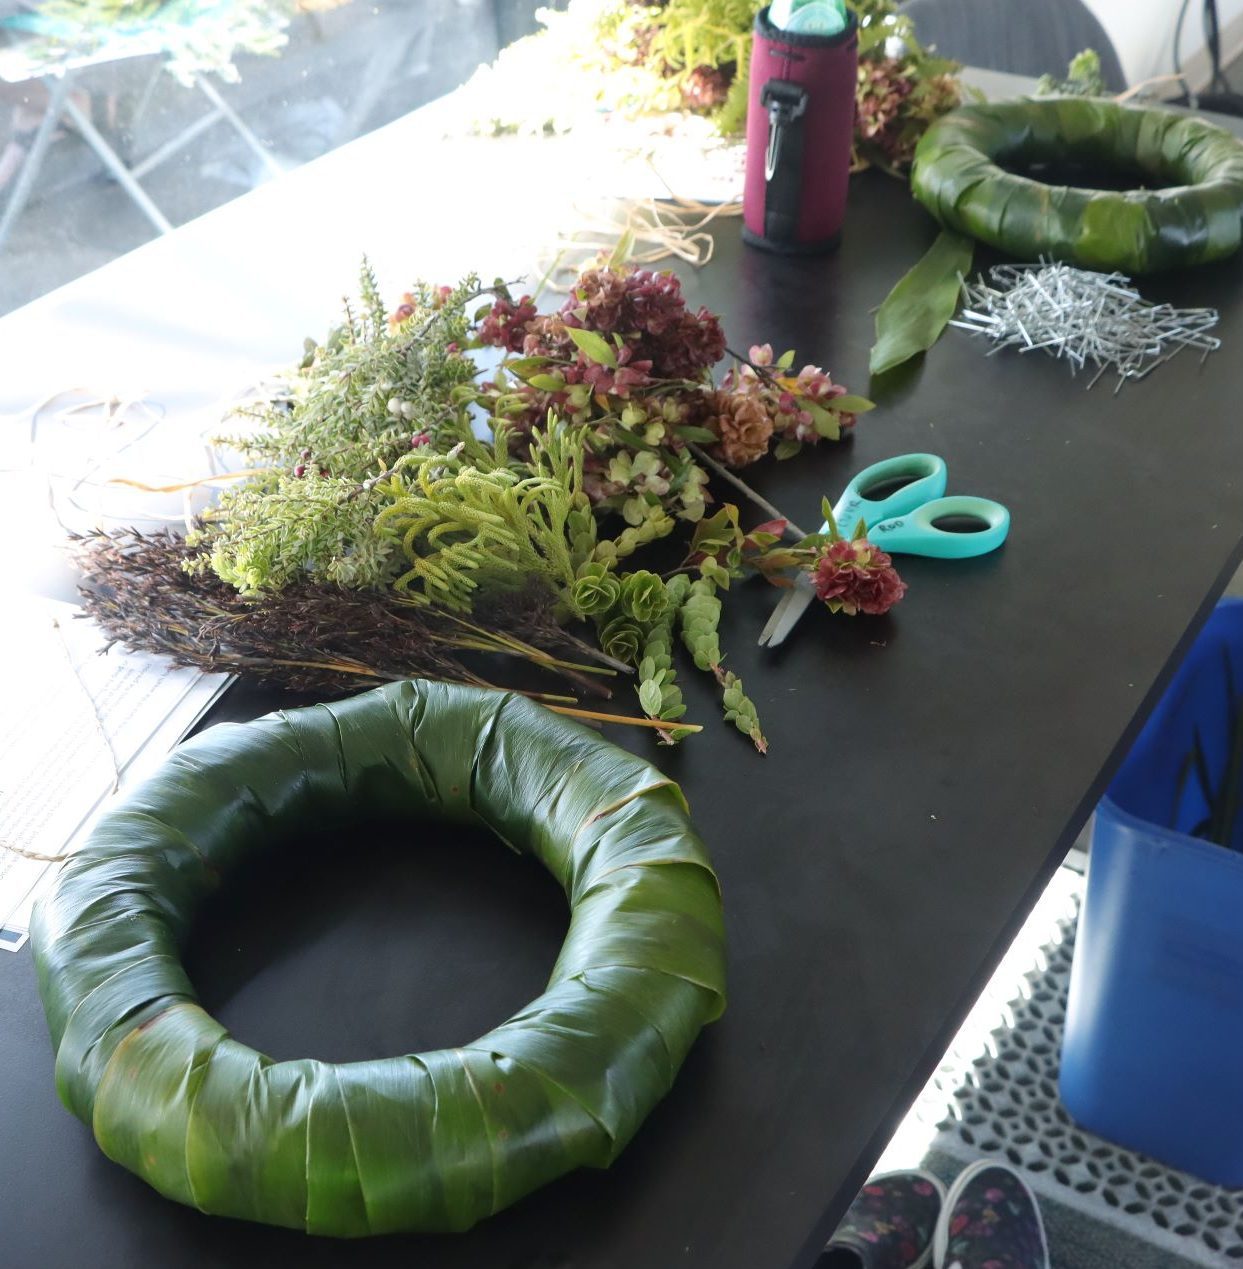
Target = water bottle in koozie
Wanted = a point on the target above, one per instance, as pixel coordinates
(800, 125)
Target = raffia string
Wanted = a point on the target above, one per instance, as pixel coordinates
(22, 852)
(654, 229)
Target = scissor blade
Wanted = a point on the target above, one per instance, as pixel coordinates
(785, 616)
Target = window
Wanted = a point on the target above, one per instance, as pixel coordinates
(121, 119)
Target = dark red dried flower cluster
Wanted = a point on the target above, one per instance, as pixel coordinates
(646, 309)
(855, 577)
(896, 100)
(546, 337)
(884, 85)
(626, 354)
(649, 311)
(630, 372)
(506, 325)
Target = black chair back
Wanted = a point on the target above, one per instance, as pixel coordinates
(1024, 37)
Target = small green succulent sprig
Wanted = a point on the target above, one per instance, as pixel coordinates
(596, 589)
(640, 600)
(648, 608)
(722, 551)
(658, 689)
(699, 619)
(635, 614)
(739, 709)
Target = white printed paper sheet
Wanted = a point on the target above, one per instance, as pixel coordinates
(77, 719)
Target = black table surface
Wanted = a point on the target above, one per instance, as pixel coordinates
(927, 773)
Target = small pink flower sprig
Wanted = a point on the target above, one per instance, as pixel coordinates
(849, 575)
(804, 407)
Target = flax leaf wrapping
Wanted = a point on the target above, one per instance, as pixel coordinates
(921, 304)
(432, 1141)
(959, 175)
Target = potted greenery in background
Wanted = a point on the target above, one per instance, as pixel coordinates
(692, 55)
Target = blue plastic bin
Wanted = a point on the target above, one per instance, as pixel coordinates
(1153, 1051)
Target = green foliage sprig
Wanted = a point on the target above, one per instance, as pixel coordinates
(374, 387)
(326, 441)
(279, 529)
(657, 525)
(692, 33)
(461, 527)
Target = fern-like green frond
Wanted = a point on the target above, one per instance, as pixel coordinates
(463, 530)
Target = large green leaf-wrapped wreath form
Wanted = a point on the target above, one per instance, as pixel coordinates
(960, 176)
(428, 1141)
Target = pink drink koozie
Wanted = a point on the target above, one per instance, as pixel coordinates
(800, 126)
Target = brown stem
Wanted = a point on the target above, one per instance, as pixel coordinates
(741, 485)
(764, 372)
(659, 724)
(489, 640)
(597, 654)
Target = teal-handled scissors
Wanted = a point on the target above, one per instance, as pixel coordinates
(903, 504)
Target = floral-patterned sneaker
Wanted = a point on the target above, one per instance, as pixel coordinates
(990, 1221)
(889, 1225)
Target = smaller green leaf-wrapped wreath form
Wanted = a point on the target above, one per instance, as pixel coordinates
(959, 176)
(430, 1141)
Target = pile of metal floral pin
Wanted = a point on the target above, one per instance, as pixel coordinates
(1084, 318)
